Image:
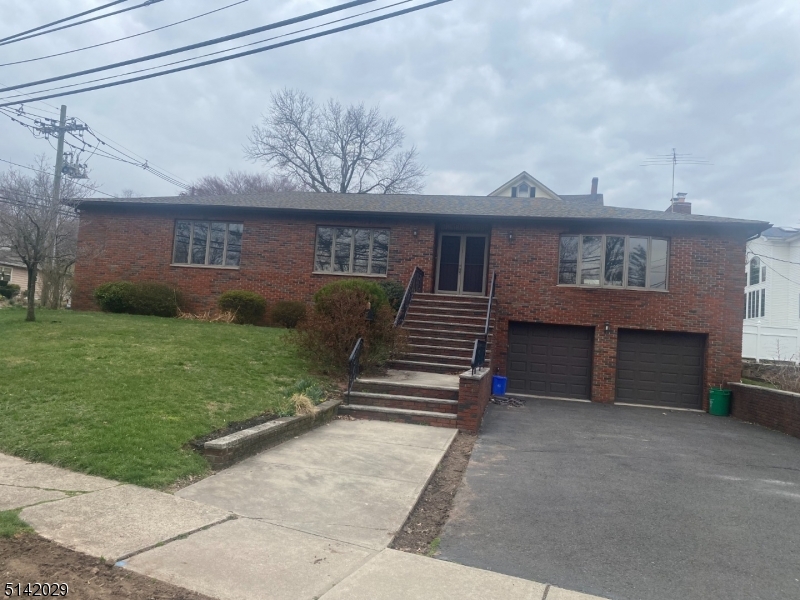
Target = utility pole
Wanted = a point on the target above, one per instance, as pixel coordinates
(62, 130)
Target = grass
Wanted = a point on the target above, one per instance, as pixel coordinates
(11, 524)
(758, 382)
(120, 395)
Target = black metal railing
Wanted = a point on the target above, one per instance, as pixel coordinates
(414, 285)
(478, 354)
(489, 308)
(354, 366)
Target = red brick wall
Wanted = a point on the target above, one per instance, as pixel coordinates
(277, 254)
(771, 408)
(474, 393)
(705, 276)
(705, 296)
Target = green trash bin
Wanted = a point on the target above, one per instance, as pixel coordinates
(719, 402)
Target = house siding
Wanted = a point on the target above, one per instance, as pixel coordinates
(705, 276)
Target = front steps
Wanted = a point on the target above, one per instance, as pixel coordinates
(405, 397)
(441, 333)
(423, 386)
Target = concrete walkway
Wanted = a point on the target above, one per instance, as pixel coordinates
(308, 519)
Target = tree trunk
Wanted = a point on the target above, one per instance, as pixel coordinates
(32, 272)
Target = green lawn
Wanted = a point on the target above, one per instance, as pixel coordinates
(120, 395)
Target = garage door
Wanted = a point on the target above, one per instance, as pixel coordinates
(660, 369)
(550, 360)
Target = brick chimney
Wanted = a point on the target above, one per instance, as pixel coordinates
(594, 186)
(680, 205)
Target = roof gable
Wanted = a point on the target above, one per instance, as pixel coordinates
(541, 189)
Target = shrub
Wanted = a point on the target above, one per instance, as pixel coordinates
(394, 292)
(116, 296)
(156, 299)
(338, 319)
(248, 307)
(138, 298)
(370, 291)
(9, 290)
(288, 313)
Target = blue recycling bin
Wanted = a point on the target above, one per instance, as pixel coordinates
(499, 385)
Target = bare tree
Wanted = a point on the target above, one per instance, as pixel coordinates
(330, 148)
(41, 231)
(241, 182)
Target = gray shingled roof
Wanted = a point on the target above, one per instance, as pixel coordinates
(9, 258)
(781, 233)
(427, 206)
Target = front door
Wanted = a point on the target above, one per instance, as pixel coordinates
(462, 264)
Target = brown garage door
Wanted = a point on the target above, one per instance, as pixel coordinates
(660, 368)
(550, 360)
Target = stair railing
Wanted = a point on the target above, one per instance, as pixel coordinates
(489, 308)
(414, 285)
(354, 366)
(478, 354)
(479, 349)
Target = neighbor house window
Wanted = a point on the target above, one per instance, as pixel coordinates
(5, 274)
(756, 304)
(209, 243)
(755, 271)
(615, 261)
(351, 250)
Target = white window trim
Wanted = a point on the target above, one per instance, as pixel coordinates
(205, 265)
(602, 285)
(350, 273)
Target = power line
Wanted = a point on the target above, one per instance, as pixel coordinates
(194, 58)
(790, 262)
(233, 36)
(240, 54)
(128, 37)
(106, 15)
(65, 19)
(46, 173)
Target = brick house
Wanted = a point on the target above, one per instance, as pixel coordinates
(592, 302)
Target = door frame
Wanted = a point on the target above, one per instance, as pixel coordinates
(461, 259)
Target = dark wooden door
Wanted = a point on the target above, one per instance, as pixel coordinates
(550, 360)
(660, 368)
(449, 263)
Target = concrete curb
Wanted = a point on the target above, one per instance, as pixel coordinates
(230, 449)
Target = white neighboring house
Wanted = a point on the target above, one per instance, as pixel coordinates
(772, 296)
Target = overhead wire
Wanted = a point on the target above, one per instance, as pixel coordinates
(773, 269)
(194, 58)
(97, 18)
(47, 173)
(238, 55)
(65, 19)
(128, 37)
(211, 42)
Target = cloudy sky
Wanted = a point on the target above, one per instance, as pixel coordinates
(566, 90)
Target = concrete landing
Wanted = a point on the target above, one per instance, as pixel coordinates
(415, 378)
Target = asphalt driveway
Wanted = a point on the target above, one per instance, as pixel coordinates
(631, 503)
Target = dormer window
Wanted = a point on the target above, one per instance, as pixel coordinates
(523, 190)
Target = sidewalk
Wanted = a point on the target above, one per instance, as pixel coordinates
(308, 519)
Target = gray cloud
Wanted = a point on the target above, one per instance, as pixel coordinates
(565, 90)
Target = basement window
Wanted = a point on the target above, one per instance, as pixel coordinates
(207, 243)
(613, 261)
(351, 251)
